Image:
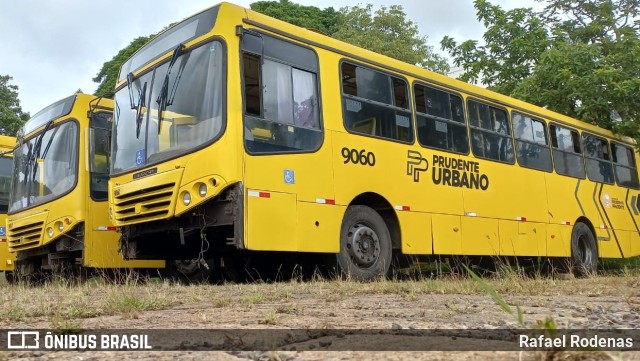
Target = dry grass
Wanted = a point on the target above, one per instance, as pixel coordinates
(64, 305)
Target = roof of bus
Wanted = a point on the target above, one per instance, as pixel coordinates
(316, 39)
(81, 100)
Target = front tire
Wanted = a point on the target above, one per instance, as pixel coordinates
(365, 245)
(584, 251)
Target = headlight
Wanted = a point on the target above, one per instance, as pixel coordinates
(60, 226)
(50, 232)
(186, 198)
(202, 190)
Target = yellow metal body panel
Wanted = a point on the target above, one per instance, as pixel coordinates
(416, 232)
(317, 226)
(447, 234)
(522, 239)
(559, 240)
(479, 236)
(271, 217)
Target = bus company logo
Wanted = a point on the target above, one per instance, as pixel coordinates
(461, 173)
(23, 340)
(416, 164)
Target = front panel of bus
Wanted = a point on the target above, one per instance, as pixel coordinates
(45, 177)
(173, 146)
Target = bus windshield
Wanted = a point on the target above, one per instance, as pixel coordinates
(189, 93)
(45, 167)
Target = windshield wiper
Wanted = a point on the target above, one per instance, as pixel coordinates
(141, 105)
(141, 102)
(33, 160)
(163, 99)
(129, 82)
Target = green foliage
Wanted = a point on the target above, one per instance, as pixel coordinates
(108, 74)
(11, 115)
(309, 17)
(578, 57)
(387, 31)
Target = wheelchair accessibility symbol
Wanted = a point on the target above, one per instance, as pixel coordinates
(289, 176)
(140, 156)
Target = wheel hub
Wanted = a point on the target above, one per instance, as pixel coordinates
(363, 245)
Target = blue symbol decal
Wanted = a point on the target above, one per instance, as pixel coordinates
(140, 156)
(289, 176)
(3, 231)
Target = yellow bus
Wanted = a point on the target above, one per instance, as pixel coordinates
(58, 205)
(243, 133)
(6, 258)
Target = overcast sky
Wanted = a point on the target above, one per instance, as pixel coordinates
(52, 48)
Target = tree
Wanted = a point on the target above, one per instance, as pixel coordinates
(578, 57)
(108, 74)
(11, 115)
(309, 17)
(387, 31)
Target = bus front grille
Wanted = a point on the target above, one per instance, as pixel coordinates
(144, 204)
(25, 236)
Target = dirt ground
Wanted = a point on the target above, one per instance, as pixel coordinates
(600, 303)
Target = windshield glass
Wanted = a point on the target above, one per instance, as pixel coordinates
(5, 182)
(53, 111)
(49, 172)
(183, 32)
(193, 113)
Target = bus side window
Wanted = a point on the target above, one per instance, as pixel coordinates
(490, 134)
(251, 84)
(532, 146)
(596, 152)
(567, 153)
(440, 120)
(375, 103)
(280, 80)
(626, 170)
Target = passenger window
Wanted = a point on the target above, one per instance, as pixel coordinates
(532, 145)
(282, 111)
(440, 120)
(598, 158)
(375, 104)
(626, 170)
(567, 153)
(490, 134)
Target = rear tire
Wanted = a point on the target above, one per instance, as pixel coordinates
(584, 251)
(365, 245)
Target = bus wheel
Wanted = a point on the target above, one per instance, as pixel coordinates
(365, 244)
(584, 252)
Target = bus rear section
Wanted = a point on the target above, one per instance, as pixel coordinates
(58, 215)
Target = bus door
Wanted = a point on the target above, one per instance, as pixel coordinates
(286, 168)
